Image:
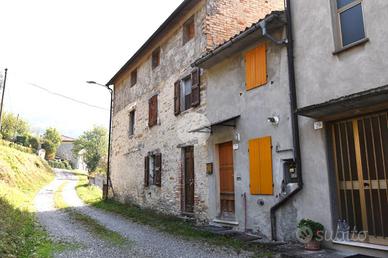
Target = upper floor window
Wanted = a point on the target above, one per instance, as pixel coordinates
(133, 77)
(350, 22)
(156, 58)
(188, 30)
(153, 111)
(187, 92)
(256, 67)
(131, 130)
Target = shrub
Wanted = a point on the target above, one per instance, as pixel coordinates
(62, 164)
(315, 228)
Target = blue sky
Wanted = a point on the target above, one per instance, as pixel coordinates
(58, 45)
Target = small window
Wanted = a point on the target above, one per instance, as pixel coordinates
(153, 169)
(153, 111)
(156, 58)
(350, 21)
(256, 67)
(188, 30)
(133, 77)
(186, 93)
(131, 130)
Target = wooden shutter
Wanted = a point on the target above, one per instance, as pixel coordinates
(260, 166)
(256, 67)
(146, 171)
(177, 97)
(195, 88)
(158, 169)
(153, 111)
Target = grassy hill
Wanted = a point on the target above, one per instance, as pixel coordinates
(22, 174)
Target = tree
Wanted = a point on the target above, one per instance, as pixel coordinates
(12, 126)
(95, 145)
(51, 141)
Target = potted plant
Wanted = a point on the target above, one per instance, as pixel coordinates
(311, 234)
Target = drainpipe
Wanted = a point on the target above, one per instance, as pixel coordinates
(294, 120)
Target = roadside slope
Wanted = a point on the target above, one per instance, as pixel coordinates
(21, 176)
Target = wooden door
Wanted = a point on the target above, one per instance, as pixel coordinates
(189, 179)
(360, 152)
(226, 179)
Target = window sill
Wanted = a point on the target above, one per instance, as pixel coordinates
(361, 245)
(354, 44)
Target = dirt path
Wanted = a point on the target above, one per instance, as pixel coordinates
(143, 241)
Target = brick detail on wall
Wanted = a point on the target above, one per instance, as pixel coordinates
(226, 18)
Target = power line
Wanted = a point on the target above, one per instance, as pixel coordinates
(67, 97)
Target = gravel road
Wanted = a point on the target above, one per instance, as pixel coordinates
(143, 241)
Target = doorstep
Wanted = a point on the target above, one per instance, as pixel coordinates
(226, 222)
(362, 245)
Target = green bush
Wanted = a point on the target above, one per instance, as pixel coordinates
(17, 146)
(62, 164)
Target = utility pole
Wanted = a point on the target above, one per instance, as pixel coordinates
(2, 95)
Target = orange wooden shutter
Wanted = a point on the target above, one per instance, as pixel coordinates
(256, 67)
(260, 166)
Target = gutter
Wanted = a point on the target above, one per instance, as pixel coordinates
(294, 121)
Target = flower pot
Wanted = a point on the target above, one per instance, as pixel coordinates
(313, 245)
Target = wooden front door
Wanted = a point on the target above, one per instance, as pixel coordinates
(226, 179)
(188, 154)
(360, 154)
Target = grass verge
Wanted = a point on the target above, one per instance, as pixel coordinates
(22, 175)
(92, 195)
(90, 224)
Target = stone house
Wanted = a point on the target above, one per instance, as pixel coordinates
(65, 152)
(156, 161)
(250, 144)
(341, 60)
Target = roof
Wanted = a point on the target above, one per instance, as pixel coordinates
(67, 139)
(275, 19)
(347, 106)
(185, 5)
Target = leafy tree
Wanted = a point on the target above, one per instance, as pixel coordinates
(95, 145)
(53, 135)
(33, 142)
(12, 126)
(51, 142)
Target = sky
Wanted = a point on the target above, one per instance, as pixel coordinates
(52, 47)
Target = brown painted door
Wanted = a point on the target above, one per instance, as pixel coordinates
(226, 179)
(189, 179)
(360, 153)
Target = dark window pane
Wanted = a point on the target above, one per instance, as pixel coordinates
(342, 3)
(352, 25)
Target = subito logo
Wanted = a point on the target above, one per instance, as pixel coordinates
(304, 235)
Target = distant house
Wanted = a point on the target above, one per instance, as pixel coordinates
(65, 152)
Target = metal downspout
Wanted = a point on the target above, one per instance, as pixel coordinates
(294, 120)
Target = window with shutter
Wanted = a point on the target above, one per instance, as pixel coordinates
(195, 88)
(260, 166)
(158, 169)
(146, 171)
(256, 67)
(177, 98)
(153, 111)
